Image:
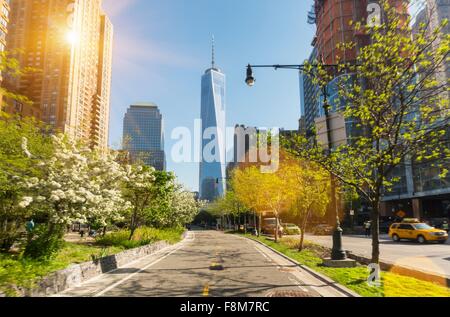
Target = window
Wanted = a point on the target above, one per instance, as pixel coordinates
(422, 226)
(406, 227)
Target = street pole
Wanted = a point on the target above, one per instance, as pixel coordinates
(337, 252)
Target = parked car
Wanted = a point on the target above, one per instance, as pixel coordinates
(269, 225)
(291, 229)
(416, 231)
(322, 230)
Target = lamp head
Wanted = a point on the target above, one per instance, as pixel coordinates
(250, 80)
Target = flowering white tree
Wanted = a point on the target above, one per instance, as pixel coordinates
(77, 184)
(184, 207)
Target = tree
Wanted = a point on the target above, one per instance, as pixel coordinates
(229, 206)
(250, 189)
(311, 186)
(75, 184)
(106, 176)
(184, 207)
(138, 190)
(392, 96)
(17, 165)
(278, 194)
(158, 214)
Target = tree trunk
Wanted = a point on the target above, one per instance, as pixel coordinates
(133, 225)
(302, 234)
(376, 231)
(259, 225)
(302, 240)
(133, 230)
(245, 224)
(276, 228)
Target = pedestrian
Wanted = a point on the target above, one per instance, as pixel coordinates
(29, 226)
(368, 228)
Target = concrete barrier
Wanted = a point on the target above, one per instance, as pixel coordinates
(76, 274)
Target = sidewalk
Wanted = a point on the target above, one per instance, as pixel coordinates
(427, 262)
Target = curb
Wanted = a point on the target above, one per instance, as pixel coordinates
(76, 274)
(404, 271)
(391, 267)
(317, 275)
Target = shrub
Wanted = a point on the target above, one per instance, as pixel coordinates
(45, 242)
(142, 236)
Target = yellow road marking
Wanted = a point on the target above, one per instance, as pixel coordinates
(206, 290)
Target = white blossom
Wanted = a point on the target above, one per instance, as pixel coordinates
(25, 147)
(26, 201)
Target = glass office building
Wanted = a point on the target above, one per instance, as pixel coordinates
(309, 94)
(212, 181)
(143, 135)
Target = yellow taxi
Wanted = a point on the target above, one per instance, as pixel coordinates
(417, 231)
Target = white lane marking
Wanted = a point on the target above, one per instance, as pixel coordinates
(190, 238)
(141, 270)
(262, 253)
(297, 282)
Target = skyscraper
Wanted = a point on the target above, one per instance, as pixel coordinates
(213, 109)
(432, 15)
(69, 42)
(4, 18)
(143, 134)
(309, 94)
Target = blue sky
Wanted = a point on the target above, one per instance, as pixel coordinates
(162, 48)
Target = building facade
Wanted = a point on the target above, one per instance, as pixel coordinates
(69, 45)
(143, 135)
(212, 180)
(4, 21)
(309, 99)
(421, 192)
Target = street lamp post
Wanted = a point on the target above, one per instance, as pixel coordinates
(337, 252)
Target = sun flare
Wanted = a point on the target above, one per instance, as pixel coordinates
(72, 37)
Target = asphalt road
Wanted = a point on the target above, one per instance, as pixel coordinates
(433, 258)
(184, 270)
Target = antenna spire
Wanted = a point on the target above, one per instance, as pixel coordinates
(213, 53)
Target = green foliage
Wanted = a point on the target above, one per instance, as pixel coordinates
(393, 285)
(227, 205)
(24, 272)
(15, 167)
(18, 270)
(393, 98)
(142, 236)
(45, 242)
(163, 189)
